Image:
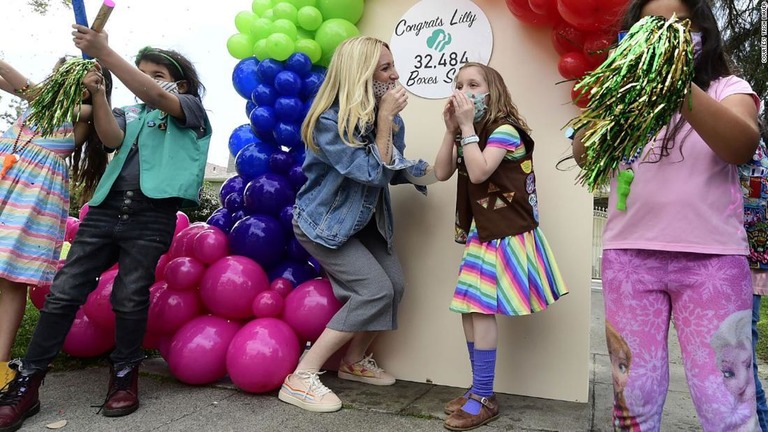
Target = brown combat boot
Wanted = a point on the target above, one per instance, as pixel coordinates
(19, 399)
(123, 393)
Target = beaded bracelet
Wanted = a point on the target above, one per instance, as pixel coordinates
(24, 89)
(469, 140)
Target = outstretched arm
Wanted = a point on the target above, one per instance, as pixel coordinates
(13, 82)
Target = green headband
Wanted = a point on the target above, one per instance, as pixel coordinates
(150, 50)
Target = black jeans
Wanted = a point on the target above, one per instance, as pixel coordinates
(127, 228)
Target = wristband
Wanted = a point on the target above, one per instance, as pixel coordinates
(471, 139)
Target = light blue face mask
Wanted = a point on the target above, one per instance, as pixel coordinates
(479, 101)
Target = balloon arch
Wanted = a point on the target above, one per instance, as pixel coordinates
(238, 295)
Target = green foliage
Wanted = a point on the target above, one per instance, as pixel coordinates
(762, 330)
(41, 6)
(209, 202)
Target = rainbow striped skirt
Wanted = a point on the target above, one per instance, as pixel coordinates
(514, 275)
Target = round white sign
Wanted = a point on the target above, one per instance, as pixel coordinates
(433, 39)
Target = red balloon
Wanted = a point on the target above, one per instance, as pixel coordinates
(522, 10)
(37, 294)
(544, 7)
(573, 65)
(580, 97)
(567, 38)
(591, 15)
(596, 46)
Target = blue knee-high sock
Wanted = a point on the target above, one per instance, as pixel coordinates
(484, 370)
(471, 350)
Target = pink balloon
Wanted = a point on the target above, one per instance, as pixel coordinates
(73, 224)
(182, 242)
(198, 351)
(183, 273)
(262, 354)
(83, 211)
(282, 286)
(268, 304)
(309, 307)
(37, 294)
(230, 285)
(171, 310)
(86, 339)
(98, 306)
(156, 289)
(182, 221)
(210, 245)
(164, 346)
(160, 268)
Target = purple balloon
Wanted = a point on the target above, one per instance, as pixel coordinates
(288, 83)
(234, 184)
(266, 345)
(296, 177)
(296, 272)
(296, 251)
(260, 238)
(299, 154)
(268, 70)
(286, 219)
(280, 162)
(264, 95)
(234, 202)
(289, 109)
(287, 134)
(221, 219)
(236, 216)
(299, 63)
(268, 194)
(198, 351)
(253, 161)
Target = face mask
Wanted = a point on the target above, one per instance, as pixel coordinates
(697, 44)
(381, 88)
(169, 86)
(479, 101)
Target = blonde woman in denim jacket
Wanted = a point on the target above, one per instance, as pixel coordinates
(343, 214)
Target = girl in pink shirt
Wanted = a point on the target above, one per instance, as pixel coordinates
(679, 249)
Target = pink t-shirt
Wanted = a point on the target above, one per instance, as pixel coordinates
(688, 203)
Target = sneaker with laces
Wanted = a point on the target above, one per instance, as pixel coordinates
(365, 371)
(304, 390)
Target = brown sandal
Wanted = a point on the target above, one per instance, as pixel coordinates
(461, 420)
(455, 403)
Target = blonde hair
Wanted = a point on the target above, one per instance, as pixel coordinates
(349, 80)
(500, 105)
(735, 330)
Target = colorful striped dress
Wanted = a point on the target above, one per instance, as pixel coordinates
(514, 275)
(34, 203)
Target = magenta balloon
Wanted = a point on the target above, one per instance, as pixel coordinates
(262, 354)
(73, 224)
(156, 289)
(282, 286)
(85, 339)
(164, 346)
(83, 211)
(183, 273)
(198, 352)
(229, 286)
(309, 307)
(98, 306)
(37, 294)
(182, 242)
(160, 268)
(268, 304)
(182, 222)
(171, 310)
(210, 245)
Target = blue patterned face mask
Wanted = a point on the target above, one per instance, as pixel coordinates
(697, 44)
(480, 106)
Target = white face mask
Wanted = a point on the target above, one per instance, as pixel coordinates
(697, 44)
(169, 86)
(380, 88)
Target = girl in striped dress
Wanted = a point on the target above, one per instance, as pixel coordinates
(34, 200)
(507, 267)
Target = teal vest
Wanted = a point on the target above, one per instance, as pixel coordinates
(171, 158)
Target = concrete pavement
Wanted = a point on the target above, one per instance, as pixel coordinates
(169, 406)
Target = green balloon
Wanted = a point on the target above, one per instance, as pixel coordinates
(260, 6)
(285, 11)
(260, 50)
(268, 15)
(301, 3)
(261, 28)
(350, 10)
(303, 34)
(309, 18)
(240, 46)
(244, 20)
(285, 27)
(279, 46)
(310, 48)
(331, 33)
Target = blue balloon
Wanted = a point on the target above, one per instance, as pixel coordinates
(296, 177)
(236, 216)
(311, 84)
(280, 162)
(289, 109)
(253, 161)
(299, 154)
(287, 134)
(221, 219)
(268, 194)
(299, 63)
(286, 219)
(249, 106)
(263, 119)
(296, 251)
(268, 70)
(319, 69)
(244, 76)
(234, 202)
(296, 272)
(264, 95)
(260, 238)
(241, 136)
(234, 184)
(288, 83)
(315, 265)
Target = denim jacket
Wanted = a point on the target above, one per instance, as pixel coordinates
(344, 183)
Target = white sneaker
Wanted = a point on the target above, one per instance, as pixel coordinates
(304, 390)
(365, 371)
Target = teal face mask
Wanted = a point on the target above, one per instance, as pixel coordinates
(479, 101)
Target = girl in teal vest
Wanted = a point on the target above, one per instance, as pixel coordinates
(161, 147)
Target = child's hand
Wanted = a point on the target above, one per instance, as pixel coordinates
(94, 81)
(89, 41)
(464, 109)
(449, 117)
